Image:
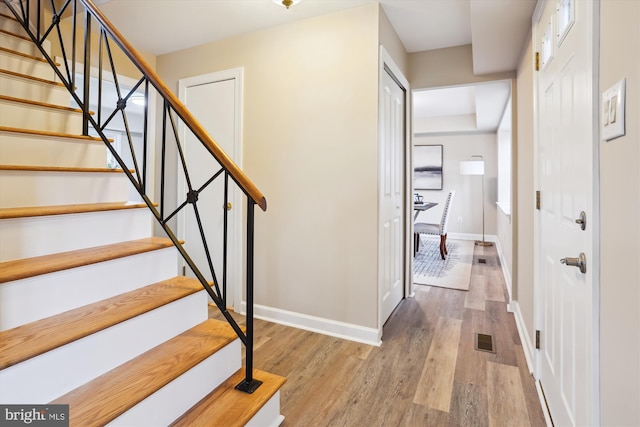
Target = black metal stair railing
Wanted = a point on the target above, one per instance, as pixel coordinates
(84, 36)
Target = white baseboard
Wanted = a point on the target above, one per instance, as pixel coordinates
(527, 345)
(505, 272)
(468, 236)
(543, 404)
(347, 331)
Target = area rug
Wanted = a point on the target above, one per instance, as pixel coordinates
(454, 272)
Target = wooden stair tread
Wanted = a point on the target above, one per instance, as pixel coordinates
(24, 55)
(58, 169)
(13, 18)
(41, 104)
(226, 406)
(33, 339)
(9, 33)
(50, 134)
(110, 395)
(35, 79)
(29, 267)
(31, 211)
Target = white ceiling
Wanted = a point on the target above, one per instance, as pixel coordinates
(496, 29)
(471, 108)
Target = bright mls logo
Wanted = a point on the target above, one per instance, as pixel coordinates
(34, 415)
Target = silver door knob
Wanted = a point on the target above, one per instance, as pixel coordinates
(580, 262)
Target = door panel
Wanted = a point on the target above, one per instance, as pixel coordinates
(213, 104)
(565, 147)
(391, 197)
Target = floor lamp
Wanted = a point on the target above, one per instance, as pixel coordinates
(475, 166)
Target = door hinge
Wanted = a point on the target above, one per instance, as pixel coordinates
(537, 65)
(537, 340)
(184, 270)
(538, 199)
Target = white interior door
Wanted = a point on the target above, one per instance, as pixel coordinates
(565, 164)
(213, 100)
(392, 132)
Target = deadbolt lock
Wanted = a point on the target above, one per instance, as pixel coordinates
(582, 220)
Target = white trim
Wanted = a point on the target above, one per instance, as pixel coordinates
(457, 132)
(529, 352)
(505, 271)
(469, 236)
(505, 208)
(347, 331)
(386, 60)
(543, 404)
(238, 215)
(527, 345)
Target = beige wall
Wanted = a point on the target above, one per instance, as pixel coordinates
(620, 222)
(310, 145)
(447, 67)
(391, 42)
(523, 201)
(468, 200)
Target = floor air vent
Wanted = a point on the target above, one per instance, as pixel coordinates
(484, 343)
(482, 261)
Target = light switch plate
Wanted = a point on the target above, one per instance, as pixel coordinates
(612, 117)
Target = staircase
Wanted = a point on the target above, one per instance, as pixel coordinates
(92, 313)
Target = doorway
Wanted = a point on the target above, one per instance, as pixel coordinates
(453, 124)
(216, 101)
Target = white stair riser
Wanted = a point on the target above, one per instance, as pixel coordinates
(27, 300)
(36, 236)
(25, 116)
(34, 150)
(21, 45)
(27, 89)
(50, 375)
(170, 402)
(269, 415)
(22, 65)
(35, 188)
(11, 25)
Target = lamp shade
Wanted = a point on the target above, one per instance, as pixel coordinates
(472, 167)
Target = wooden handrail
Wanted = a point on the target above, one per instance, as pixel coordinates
(192, 123)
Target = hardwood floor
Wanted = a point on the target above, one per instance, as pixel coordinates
(427, 371)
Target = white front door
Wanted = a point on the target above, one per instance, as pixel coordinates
(565, 164)
(392, 137)
(213, 100)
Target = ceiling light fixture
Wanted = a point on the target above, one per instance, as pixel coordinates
(286, 3)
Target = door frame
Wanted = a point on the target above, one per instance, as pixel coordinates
(236, 216)
(594, 222)
(385, 61)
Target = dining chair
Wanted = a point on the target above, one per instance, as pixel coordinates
(434, 229)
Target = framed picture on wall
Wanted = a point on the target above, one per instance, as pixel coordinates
(427, 167)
